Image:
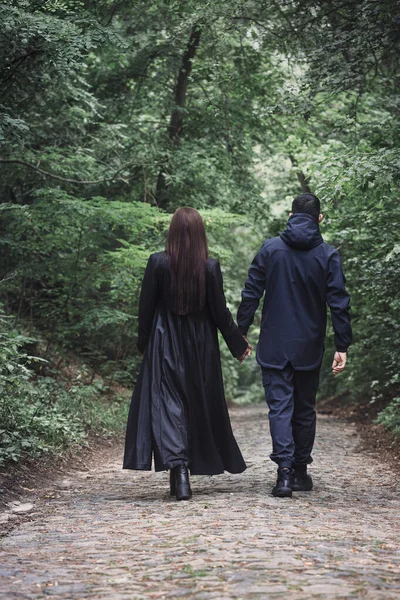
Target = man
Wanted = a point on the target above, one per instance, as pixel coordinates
(300, 274)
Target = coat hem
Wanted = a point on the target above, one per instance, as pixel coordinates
(264, 365)
(196, 472)
(147, 467)
(139, 467)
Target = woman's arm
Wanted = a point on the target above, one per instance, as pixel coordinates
(147, 304)
(221, 314)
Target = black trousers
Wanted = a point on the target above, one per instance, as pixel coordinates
(290, 396)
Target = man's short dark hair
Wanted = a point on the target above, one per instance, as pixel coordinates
(307, 203)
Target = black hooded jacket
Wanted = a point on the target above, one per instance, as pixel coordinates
(300, 274)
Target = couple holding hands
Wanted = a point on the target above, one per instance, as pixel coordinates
(178, 412)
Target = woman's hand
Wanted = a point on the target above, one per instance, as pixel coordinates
(247, 352)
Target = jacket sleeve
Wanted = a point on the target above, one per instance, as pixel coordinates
(147, 304)
(252, 293)
(339, 303)
(221, 314)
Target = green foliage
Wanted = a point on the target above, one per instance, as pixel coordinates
(76, 267)
(390, 416)
(40, 414)
(367, 233)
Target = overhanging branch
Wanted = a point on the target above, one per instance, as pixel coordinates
(114, 177)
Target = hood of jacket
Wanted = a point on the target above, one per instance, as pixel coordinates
(302, 232)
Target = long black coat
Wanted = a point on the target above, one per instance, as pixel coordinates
(178, 410)
(300, 274)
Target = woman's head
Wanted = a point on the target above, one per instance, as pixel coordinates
(187, 250)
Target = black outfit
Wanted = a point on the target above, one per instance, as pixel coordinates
(178, 410)
(300, 274)
(290, 396)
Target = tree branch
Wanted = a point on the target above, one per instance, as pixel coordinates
(67, 179)
(329, 12)
(257, 22)
(17, 62)
(113, 12)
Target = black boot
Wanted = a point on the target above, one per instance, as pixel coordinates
(283, 488)
(302, 482)
(179, 483)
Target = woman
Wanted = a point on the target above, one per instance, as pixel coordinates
(178, 411)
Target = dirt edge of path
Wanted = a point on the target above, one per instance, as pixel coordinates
(30, 480)
(375, 440)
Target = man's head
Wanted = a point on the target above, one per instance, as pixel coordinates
(309, 204)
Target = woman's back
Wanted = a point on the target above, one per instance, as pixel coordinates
(163, 276)
(156, 296)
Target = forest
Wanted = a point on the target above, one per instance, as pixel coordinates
(116, 112)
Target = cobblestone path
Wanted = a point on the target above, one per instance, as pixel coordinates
(110, 534)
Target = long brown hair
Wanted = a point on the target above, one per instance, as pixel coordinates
(187, 251)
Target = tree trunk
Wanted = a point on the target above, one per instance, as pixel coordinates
(176, 120)
(303, 180)
(305, 189)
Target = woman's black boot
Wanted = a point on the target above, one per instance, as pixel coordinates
(179, 483)
(172, 485)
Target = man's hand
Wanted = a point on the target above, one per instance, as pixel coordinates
(247, 352)
(339, 362)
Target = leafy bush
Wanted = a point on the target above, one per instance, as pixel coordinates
(389, 417)
(365, 228)
(38, 414)
(72, 268)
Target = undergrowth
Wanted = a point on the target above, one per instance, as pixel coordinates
(41, 413)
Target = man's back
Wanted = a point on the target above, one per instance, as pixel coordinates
(299, 274)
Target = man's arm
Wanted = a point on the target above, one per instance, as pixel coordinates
(253, 290)
(339, 303)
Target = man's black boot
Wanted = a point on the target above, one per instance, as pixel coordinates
(283, 488)
(301, 481)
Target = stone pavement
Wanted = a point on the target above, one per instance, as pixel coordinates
(117, 535)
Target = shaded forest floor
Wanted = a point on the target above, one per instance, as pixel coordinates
(102, 533)
(374, 438)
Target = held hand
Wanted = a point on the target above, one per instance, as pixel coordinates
(247, 352)
(339, 362)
